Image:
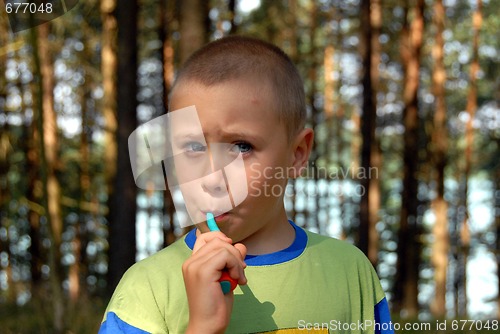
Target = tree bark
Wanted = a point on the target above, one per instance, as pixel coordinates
(497, 224)
(439, 147)
(193, 26)
(232, 5)
(371, 22)
(108, 69)
(315, 112)
(338, 121)
(167, 58)
(469, 148)
(409, 244)
(291, 32)
(4, 129)
(329, 93)
(48, 141)
(123, 198)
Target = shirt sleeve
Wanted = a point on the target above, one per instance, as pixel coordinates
(133, 308)
(383, 323)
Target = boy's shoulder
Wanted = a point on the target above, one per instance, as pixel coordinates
(333, 250)
(336, 256)
(332, 243)
(163, 262)
(141, 296)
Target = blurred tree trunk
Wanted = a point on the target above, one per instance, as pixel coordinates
(123, 197)
(231, 6)
(338, 123)
(49, 160)
(4, 129)
(371, 23)
(469, 142)
(109, 83)
(497, 223)
(167, 57)
(355, 143)
(108, 68)
(291, 31)
(329, 93)
(334, 109)
(409, 244)
(270, 8)
(316, 114)
(193, 26)
(167, 18)
(439, 148)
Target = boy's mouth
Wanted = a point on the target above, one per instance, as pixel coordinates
(219, 216)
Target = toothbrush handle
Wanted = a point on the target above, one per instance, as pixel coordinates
(227, 283)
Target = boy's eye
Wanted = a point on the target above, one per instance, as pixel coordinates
(195, 147)
(242, 147)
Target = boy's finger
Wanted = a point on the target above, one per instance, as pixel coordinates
(216, 245)
(208, 266)
(242, 249)
(204, 238)
(235, 252)
(236, 269)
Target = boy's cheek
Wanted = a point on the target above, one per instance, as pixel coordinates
(254, 189)
(267, 187)
(266, 181)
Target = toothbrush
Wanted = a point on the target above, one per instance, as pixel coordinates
(227, 283)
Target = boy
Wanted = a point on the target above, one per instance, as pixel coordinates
(247, 93)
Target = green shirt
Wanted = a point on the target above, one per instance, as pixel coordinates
(317, 283)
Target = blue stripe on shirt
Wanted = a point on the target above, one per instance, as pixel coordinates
(383, 323)
(293, 251)
(115, 325)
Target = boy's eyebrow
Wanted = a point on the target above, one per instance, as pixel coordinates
(232, 135)
(221, 136)
(188, 135)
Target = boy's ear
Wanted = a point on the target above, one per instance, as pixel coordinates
(301, 150)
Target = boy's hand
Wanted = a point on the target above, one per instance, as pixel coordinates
(209, 308)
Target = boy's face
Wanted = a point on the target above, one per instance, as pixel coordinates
(242, 114)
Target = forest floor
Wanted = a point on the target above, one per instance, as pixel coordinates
(83, 317)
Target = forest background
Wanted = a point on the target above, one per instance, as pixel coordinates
(404, 97)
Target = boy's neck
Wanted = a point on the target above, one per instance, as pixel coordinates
(271, 238)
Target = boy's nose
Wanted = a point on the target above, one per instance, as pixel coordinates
(214, 184)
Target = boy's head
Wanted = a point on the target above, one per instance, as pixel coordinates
(256, 61)
(249, 102)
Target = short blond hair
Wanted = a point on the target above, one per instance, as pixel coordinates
(237, 57)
